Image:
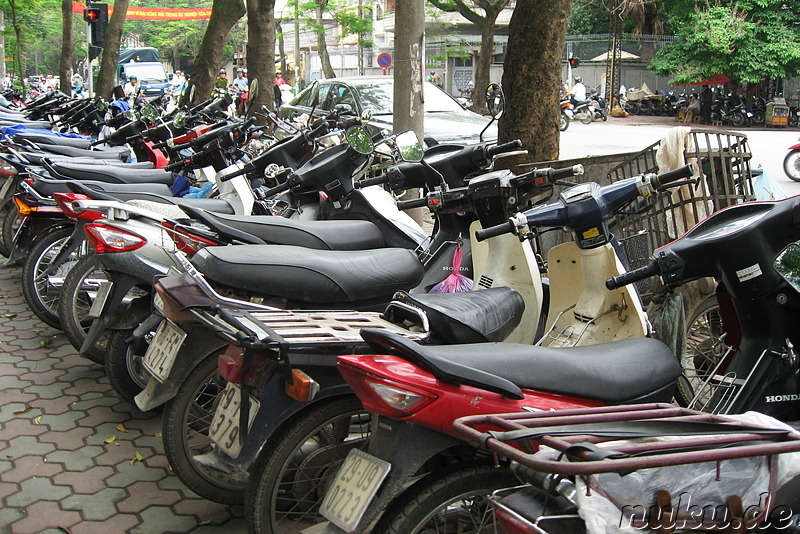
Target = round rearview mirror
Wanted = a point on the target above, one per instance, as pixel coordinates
(149, 112)
(101, 104)
(253, 89)
(343, 109)
(358, 138)
(787, 264)
(179, 120)
(409, 147)
(495, 100)
(366, 115)
(131, 115)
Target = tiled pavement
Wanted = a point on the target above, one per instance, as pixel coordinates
(73, 457)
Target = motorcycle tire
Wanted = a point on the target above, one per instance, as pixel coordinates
(289, 478)
(791, 165)
(794, 119)
(585, 117)
(633, 108)
(185, 425)
(736, 119)
(656, 107)
(564, 122)
(123, 363)
(604, 115)
(8, 228)
(41, 298)
(645, 107)
(703, 351)
(758, 117)
(74, 303)
(430, 505)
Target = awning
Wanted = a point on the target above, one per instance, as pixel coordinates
(715, 79)
(623, 55)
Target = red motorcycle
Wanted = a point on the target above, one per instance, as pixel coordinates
(791, 163)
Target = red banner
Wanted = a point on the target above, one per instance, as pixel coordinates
(154, 13)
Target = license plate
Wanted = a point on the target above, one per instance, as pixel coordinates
(100, 299)
(158, 304)
(355, 485)
(224, 430)
(163, 350)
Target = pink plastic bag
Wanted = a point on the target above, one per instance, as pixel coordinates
(456, 282)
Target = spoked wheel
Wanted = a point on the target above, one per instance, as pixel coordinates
(76, 299)
(293, 472)
(123, 362)
(9, 222)
(791, 165)
(564, 122)
(455, 502)
(186, 421)
(704, 349)
(586, 117)
(41, 292)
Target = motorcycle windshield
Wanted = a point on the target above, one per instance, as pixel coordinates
(787, 264)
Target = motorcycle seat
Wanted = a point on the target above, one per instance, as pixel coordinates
(615, 373)
(45, 159)
(108, 173)
(134, 192)
(48, 187)
(45, 139)
(115, 153)
(323, 235)
(31, 125)
(470, 317)
(323, 277)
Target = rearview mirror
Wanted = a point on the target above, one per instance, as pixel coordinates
(787, 264)
(358, 138)
(409, 147)
(149, 112)
(495, 100)
(130, 115)
(101, 104)
(179, 121)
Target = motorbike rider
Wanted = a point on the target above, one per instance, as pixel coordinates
(130, 88)
(240, 86)
(578, 91)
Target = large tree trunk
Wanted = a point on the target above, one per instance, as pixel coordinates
(532, 76)
(322, 48)
(107, 78)
(67, 46)
(224, 14)
(483, 63)
(261, 50)
(15, 23)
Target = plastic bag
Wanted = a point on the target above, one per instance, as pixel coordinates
(456, 282)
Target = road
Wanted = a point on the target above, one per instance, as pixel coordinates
(768, 145)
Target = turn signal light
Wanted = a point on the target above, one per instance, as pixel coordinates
(303, 388)
(105, 239)
(26, 210)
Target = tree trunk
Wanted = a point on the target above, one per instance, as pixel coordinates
(322, 48)
(261, 50)
(532, 76)
(483, 63)
(224, 14)
(18, 45)
(107, 78)
(67, 46)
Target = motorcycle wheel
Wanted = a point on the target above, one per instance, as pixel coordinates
(656, 107)
(791, 165)
(603, 115)
(185, 424)
(758, 116)
(564, 122)
(75, 301)
(585, 117)
(40, 295)
(704, 348)
(8, 229)
(645, 107)
(736, 119)
(454, 502)
(123, 361)
(291, 476)
(633, 108)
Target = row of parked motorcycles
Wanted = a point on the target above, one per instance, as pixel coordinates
(587, 111)
(286, 316)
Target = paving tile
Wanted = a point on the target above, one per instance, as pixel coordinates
(37, 489)
(23, 467)
(8, 516)
(90, 480)
(130, 474)
(68, 440)
(7, 488)
(97, 506)
(10, 395)
(145, 494)
(116, 525)
(24, 425)
(161, 519)
(43, 515)
(25, 445)
(79, 459)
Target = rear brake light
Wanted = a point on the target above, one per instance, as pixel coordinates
(185, 241)
(230, 365)
(382, 396)
(105, 239)
(65, 201)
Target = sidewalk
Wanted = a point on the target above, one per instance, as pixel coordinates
(73, 457)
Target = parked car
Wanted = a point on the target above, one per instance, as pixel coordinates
(445, 120)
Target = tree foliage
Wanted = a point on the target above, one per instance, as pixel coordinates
(747, 40)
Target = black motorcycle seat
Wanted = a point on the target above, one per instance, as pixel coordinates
(470, 317)
(125, 194)
(48, 187)
(613, 373)
(43, 158)
(323, 235)
(326, 277)
(109, 173)
(114, 153)
(45, 139)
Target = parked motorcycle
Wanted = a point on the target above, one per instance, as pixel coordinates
(791, 163)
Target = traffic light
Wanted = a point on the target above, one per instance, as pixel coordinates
(96, 16)
(574, 62)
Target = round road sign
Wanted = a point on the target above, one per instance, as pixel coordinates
(384, 60)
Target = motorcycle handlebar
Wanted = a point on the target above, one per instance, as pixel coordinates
(280, 188)
(410, 204)
(635, 275)
(244, 170)
(494, 231)
(505, 147)
(683, 172)
(162, 144)
(213, 133)
(178, 164)
(366, 182)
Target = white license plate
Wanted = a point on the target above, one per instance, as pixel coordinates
(163, 350)
(224, 429)
(100, 299)
(355, 485)
(158, 303)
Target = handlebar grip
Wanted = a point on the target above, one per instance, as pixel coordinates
(133, 138)
(244, 170)
(272, 191)
(366, 182)
(683, 172)
(494, 231)
(633, 276)
(176, 165)
(410, 204)
(505, 147)
(568, 172)
(162, 144)
(98, 142)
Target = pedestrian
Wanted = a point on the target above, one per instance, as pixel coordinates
(706, 100)
(435, 79)
(240, 86)
(130, 88)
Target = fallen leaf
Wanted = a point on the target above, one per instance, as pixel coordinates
(45, 342)
(26, 410)
(121, 428)
(9, 315)
(157, 434)
(112, 439)
(37, 420)
(137, 458)
(206, 522)
(64, 529)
